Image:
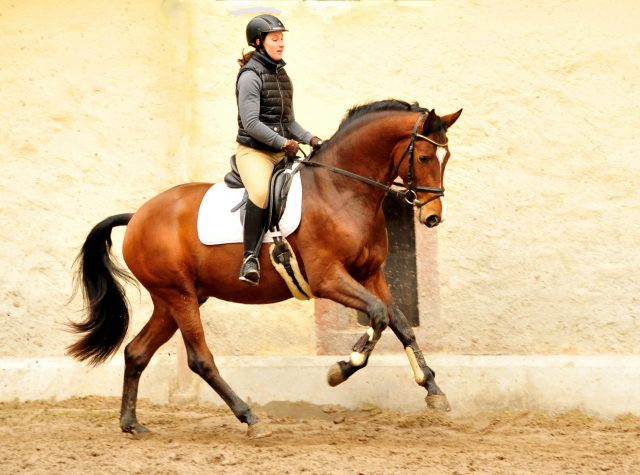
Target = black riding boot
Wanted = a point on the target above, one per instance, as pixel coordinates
(253, 224)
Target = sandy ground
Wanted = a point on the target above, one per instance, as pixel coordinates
(82, 436)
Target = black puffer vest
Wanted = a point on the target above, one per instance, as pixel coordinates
(276, 98)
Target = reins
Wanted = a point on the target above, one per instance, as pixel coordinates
(406, 192)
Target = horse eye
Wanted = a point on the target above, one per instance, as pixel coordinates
(423, 159)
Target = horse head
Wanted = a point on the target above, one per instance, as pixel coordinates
(426, 167)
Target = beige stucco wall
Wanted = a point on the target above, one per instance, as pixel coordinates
(107, 104)
(89, 127)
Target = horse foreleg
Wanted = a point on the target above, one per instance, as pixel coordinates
(137, 355)
(346, 291)
(200, 361)
(423, 375)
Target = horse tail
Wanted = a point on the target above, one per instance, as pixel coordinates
(105, 302)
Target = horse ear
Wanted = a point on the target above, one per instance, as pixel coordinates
(429, 121)
(451, 118)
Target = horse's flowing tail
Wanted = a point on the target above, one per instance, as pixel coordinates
(105, 302)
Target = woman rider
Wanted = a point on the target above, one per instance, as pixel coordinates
(267, 129)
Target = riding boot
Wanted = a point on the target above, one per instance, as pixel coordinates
(253, 226)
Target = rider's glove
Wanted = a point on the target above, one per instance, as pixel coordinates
(315, 142)
(291, 148)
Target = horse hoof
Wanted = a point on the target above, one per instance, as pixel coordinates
(136, 429)
(438, 403)
(259, 430)
(335, 376)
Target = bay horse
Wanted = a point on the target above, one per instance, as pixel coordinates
(341, 244)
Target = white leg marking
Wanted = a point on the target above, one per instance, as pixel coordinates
(357, 359)
(418, 374)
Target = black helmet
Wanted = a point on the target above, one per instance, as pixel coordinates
(259, 26)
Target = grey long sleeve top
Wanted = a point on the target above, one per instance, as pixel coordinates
(249, 87)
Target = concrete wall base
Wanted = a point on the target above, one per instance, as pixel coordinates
(601, 386)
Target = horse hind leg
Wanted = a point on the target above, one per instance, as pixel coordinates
(158, 330)
(185, 311)
(423, 375)
(201, 362)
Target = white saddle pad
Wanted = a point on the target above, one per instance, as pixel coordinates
(218, 225)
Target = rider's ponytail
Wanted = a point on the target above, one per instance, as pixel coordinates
(245, 57)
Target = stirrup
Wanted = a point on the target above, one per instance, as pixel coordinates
(250, 273)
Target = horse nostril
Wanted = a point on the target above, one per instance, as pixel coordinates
(432, 220)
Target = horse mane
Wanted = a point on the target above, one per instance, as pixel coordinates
(361, 110)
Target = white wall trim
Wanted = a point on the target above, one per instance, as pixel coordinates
(603, 386)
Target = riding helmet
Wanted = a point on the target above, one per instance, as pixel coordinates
(259, 26)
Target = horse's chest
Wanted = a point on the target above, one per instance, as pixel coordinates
(368, 261)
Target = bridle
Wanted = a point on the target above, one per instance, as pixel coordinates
(410, 150)
(410, 194)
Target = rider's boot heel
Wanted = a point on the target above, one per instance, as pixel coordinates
(250, 271)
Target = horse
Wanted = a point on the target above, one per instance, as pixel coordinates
(341, 244)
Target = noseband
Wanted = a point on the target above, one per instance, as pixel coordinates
(410, 194)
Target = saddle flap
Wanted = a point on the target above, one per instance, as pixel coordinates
(232, 179)
(234, 165)
(279, 190)
(279, 186)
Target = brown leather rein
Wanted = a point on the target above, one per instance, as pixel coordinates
(406, 192)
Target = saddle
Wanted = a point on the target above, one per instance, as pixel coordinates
(280, 184)
(280, 253)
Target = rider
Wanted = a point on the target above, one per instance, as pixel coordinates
(267, 129)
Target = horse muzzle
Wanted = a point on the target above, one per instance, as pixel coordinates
(432, 221)
(429, 218)
(431, 215)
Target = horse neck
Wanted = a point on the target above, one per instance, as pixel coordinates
(366, 151)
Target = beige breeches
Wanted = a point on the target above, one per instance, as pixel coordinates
(255, 167)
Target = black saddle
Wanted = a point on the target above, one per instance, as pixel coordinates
(278, 190)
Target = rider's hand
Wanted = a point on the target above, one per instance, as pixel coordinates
(291, 148)
(315, 142)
